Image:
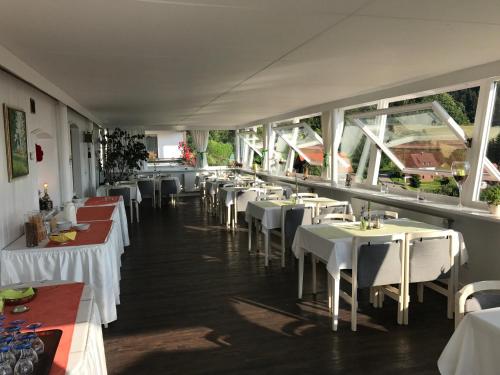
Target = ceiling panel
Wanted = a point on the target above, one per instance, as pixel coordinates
(229, 62)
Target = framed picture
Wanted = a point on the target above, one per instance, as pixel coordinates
(16, 141)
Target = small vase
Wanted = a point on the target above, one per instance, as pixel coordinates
(494, 209)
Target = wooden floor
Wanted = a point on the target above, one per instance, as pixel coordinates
(194, 301)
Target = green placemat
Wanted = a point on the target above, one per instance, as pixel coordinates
(272, 204)
(352, 230)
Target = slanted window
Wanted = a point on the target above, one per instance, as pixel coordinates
(308, 144)
(254, 139)
(491, 168)
(419, 140)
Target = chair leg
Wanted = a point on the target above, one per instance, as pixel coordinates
(137, 210)
(354, 307)
(131, 212)
(420, 292)
(451, 299)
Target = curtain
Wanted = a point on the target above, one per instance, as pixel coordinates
(200, 139)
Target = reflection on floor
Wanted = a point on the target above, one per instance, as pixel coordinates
(194, 301)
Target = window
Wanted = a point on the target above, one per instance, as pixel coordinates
(152, 146)
(420, 138)
(254, 139)
(302, 139)
(354, 152)
(491, 172)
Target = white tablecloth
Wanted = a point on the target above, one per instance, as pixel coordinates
(474, 348)
(95, 265)
(135, 193)
(120, 217)
(336, 253)
(228, 194)
(270, 217)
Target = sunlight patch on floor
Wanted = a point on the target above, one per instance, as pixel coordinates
(271, 318)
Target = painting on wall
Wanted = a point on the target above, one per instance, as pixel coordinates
(16, 142)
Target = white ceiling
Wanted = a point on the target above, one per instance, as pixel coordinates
(224, 63)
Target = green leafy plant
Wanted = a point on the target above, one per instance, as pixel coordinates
(415, 181)
(122, 154)
(491, 195)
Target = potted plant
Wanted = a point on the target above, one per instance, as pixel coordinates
(492, 196)
(123, 154)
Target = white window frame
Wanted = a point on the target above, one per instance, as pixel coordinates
(242, 137)
(437, 109)
(309, 130)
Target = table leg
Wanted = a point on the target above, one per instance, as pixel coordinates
(301, 272)
(335, 302)
(228, 219)
(329, 283)
(266, 245)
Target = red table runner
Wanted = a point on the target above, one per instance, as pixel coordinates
(56, 307)
(96, 234)
(94, 213)
(99, 201)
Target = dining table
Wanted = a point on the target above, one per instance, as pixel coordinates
(93, 257)
(332, 244)
(70, 308)
(474, 347)
(98, 208)
(268, 214)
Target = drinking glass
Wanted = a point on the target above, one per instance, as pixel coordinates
(24, 365)
(460, 171)
(36, 341)
(6, 356)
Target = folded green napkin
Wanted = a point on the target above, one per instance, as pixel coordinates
(16, 293)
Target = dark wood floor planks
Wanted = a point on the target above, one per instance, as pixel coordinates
(194, 301)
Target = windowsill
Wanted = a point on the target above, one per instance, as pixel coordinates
(428, 206)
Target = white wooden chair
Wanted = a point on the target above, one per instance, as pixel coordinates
(430, 259)
(332, 218)
(304, 195)
(377, 261)
(480, 300)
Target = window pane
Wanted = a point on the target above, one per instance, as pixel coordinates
(254, 139)
(493, 150)
(305, 141)
(280, 156)
(354, 152)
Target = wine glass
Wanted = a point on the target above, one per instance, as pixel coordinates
(460, 171)
(36, 341)
(24, 365)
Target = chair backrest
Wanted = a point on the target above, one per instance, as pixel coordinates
(123, 191)
(243, 197)
(328, 218)
(378, 260)
(147, 188)
(293, 216)
(304, 195)
(167, 187)
(430, 255)
(381, 214)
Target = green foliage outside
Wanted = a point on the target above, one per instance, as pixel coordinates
(415, 181)
(220, 147)
(493, 152)
(491, 195)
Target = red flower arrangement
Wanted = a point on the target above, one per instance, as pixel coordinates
(187, 154)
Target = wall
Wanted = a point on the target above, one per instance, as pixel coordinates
(79, 149)
(168, 142)
(20, 195)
